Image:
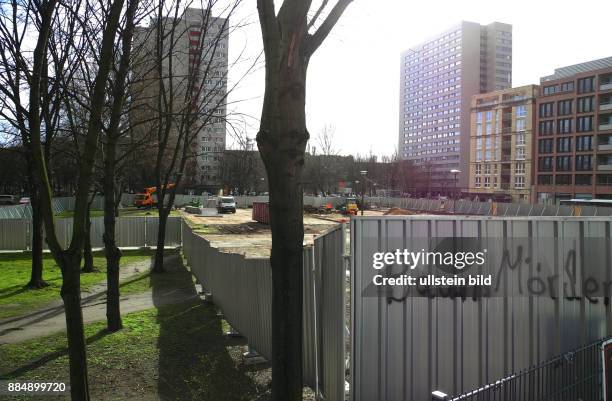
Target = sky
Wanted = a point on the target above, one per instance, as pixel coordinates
(353, 78)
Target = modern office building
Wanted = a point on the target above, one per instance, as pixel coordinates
(501, 142)
(574, 136)
(438, 79)
(199, 87)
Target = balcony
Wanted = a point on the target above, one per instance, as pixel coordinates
(604, 147)
(605, 124)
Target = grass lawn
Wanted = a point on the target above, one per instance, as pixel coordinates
(15, 273)
(148, 281)
(176, 352)
(125, 212)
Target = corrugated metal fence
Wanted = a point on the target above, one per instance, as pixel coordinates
(15, 234)
(403, 350)
(419, 204)
(241, 287)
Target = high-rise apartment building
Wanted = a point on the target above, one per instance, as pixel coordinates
(438, 79)
(199, 65)
(574, 136)
(501, 142)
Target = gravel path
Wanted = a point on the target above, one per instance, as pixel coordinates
(51, 319)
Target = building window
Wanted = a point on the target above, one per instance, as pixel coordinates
(546, 110)
(585, 85)
(545, 146)
(604, 179)
(564, 163)
(487, 182)
(521, 111)
(545, 179)
(564, 107)
(487, 169)
(563, 179)
(583, 179)
(545, 163)
(520, 153)
(547, 127)
(564, 145)
(585, 104)
(520, 124)
(489, 116)
(520, 139)
(567, 86)
(488, 129)
(549, 90)
(519, 181)
(584, 143)
(584, 162)
(478, 129)
(478, 169)
(477, 182)
(584, 124)
(519, 168)
(564, 126)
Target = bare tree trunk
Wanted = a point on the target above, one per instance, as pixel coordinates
(158, 266)
(71, 295)
(88, 266)
(282, 140)
(113, 258)
(111, 197)
(286, 220)
(36, 278)
(113, 253)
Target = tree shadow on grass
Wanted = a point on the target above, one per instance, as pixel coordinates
(51, 356)
(196, 360)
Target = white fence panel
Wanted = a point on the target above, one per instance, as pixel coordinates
(13, 234)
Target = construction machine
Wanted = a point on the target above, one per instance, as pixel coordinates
(350, 206)
(146, 200)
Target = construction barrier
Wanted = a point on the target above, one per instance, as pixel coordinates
(261, 212)
(406, 345)
(241, 287)
(16, 234)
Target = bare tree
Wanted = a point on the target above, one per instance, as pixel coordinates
(282, 139)
(17, 20)
(325, 141)
(182, 99)
(69, 260)
(112, 192)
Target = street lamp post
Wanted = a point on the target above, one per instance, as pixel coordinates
(363, 173)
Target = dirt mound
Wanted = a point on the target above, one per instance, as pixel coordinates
(396, 211)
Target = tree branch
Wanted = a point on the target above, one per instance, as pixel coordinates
(318, 14)
(268, 22)
(315, 40)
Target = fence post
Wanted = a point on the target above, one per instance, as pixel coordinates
(145, 232)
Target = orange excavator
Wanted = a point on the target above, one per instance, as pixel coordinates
(146, 199)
